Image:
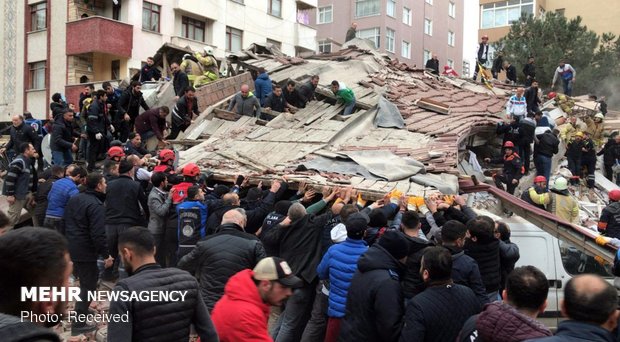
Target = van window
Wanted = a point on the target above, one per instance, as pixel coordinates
(577, 262)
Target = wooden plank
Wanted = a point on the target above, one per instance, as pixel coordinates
(226, 115)
(257, 133)
(212, 126)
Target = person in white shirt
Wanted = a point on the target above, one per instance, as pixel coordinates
(517, 105)
(567, 73)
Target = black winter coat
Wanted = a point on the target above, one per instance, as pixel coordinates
(98, 121)
(487, 257)
(85, 226)
(610, 152)
(255, 216)
(574, 149)
(124, 200)
(412, 281)
(510, 131)
(130, 103)
(218, 257)
(41, 198)
(21, 134)
(180, 82)
(529, 70)
(465, 272)
(513, 169)
(527, 129)
(16, 329)
(301, 244)
(375, 303)
(156, 320)
(546, 144)
(58, 108)
(438, 313)
(62, 135)
(531, 98)
(511, 73)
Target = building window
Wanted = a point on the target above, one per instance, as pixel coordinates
(504, 13)
(430, 2)
(37, 75)
(365, 8)
(325, 14)
(452, 9)
(275, 8)
(451, 63)
(427, 56)
(406, 16)
(405, 50)
(150, 16)
(325, 46)
(391, 8)
(274, 43)
(389, 40)
(38, 16)
(233, 39)
(115, 67)
(428, 26)
(193, 29)
(374, 34)
(451, 38)
(560, 11)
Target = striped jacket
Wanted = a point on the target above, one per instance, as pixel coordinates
(516, 106)
(20, 179)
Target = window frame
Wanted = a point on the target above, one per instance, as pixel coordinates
(488, 17)
(331, 14)
(402, 49)
(426, 55)
(33, 69)
(378, 8)
(322, 44)
(452, 9)
(387, 8)
(186, 22)
(270, 10)
(430, 2)
(408, 16)
(451, 38)
(230, 33)
(34, 16)
(428, 29)
(152, 9)
(376, 38)
(388, 39)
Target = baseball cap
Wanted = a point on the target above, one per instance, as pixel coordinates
(277, 269)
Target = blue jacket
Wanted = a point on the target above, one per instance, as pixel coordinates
(192, 222)
(62, 190)
(338, 265)
(262, 87)
(569, 331)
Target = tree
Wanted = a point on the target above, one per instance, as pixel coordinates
(551, 38)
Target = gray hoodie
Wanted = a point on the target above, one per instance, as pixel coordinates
(245, 106)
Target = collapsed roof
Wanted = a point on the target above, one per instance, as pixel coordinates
(406, 133)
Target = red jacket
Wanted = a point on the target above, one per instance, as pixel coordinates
(241, 314)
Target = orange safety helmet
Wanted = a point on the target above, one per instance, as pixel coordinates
(116, 152)
(166, 155)
(509, 144)
(614, 195)
(191, 170)
(540, 179)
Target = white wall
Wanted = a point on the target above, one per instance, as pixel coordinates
(470, 33)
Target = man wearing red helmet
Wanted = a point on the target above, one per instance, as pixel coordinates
(116, 153)
(512, 171)
(609, 223)
(537, 195)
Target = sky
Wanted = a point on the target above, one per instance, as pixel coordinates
(470, 32)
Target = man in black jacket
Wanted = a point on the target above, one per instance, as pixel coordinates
(375, 303)
(531, 97)
(306, 91)
(152, 320)
(410, 226)
(611, 155)
(31, 257)
(183, 112)
(19, 133)
(545, 146)
(125, 202)
(55, 173)
(438, 313)
(129, 108)
(97, 127)
(63, 139)
(482, 55)
(498, 64)
(527, 130)
(512, 170)
(180, 81)
(432, 65)
(483, 247)
(149, 71)
(58, 105)
(20, 184)
(85, 230)
(529, 70)
(299, 237)
(465, 270)
(220, 256)
(511, 73)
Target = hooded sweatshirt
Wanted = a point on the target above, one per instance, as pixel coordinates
(263, 87)
(345, 94)
(245, 105)
(241, 314)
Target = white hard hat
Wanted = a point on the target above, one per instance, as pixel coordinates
(600, 116)
(208, 50)
(560, 183)
(185, 56)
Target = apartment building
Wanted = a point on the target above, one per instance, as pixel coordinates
(57, 46)
(410, 30)
(497, 16)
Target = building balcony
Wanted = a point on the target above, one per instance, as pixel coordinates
(99, 34)
(307, 4)
(305, 37)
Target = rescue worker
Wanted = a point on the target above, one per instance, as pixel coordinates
(192, 215)
(512, 171)
(167, 158)
(210, 70)
(588, 158)
(596, 129)
(563, 205)
(537, 195)
(116, 153)
(609, 224)
(569, 129)
(191, 67)
(574, 151)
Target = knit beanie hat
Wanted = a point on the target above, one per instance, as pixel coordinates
(395, 243)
